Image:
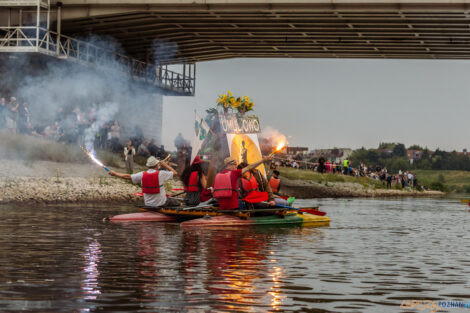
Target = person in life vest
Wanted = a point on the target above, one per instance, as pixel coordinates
(226, 182)
(254, 188)
(195, 182)
(275, 182)
(152, 182)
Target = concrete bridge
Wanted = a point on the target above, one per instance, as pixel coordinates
(165, 32)
(200, 30)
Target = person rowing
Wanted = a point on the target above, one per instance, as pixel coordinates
(226, 182)
(195, 181)
(152, 182)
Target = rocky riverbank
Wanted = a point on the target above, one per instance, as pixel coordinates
(52, 182)
(304, 189)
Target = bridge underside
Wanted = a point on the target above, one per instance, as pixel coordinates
(193, 32)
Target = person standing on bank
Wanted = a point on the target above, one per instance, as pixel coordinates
(129, 152)
(153, 183)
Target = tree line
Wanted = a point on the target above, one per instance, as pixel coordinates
(394, 157)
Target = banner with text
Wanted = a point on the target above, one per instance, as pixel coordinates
(239, 124)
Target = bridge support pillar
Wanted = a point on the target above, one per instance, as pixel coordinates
(59, 27)
(147, 114)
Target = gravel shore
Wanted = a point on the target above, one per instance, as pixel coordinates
(51, 182)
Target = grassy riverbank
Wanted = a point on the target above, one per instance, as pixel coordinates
(308, 175)
(451, 181)
(447, 181)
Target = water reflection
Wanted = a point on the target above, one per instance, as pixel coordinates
(375, 254)
(92, 257)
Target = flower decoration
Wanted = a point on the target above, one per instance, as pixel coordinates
(240, 104)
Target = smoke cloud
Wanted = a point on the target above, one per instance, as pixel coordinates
(53, 88)
(273, 136)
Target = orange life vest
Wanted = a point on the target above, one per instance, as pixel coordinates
(150, 183)
(223, 185)
(249, 186)
(275, 183)
(192, 183)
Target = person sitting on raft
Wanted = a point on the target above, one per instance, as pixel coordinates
(275, 182)
(152, 182)
(254, 188)
(195, 181)
(226, 182)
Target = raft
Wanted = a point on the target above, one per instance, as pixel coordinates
(290, 218)
(210, 216)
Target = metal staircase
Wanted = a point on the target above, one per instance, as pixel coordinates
(15, 37)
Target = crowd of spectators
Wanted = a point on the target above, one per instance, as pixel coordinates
(14, 115)
(69, 125)
(322, 165)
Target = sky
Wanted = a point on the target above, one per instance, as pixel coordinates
(347, 103)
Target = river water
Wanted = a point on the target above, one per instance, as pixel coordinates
(374, 255)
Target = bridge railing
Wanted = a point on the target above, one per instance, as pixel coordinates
(38, 39)
(25, 3)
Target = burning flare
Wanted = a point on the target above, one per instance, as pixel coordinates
(94, 159)
(280, 146)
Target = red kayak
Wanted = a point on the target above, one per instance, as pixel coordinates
(313, 211)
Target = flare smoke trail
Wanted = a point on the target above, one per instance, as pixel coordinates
(104, 113)
(273, 135)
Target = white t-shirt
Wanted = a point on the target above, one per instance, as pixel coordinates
(154, 199)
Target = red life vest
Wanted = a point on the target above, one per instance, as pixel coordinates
(274, 183)
(249, 185)
(192, 183)
(223, 185)
(150, 183)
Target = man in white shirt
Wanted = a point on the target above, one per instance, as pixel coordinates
(153, 199)
(410, 179)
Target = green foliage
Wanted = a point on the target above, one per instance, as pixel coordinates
(387, 145)
(439, 160)
(399, 164)
(327, 179)
(415, 147)
(399, 150)
(437, 186)
(441, 178)
(454, 181)
(370, 156)
(425, 165)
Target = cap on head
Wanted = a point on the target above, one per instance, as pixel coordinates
(197, 160)
(229, 161)
(152, 161)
